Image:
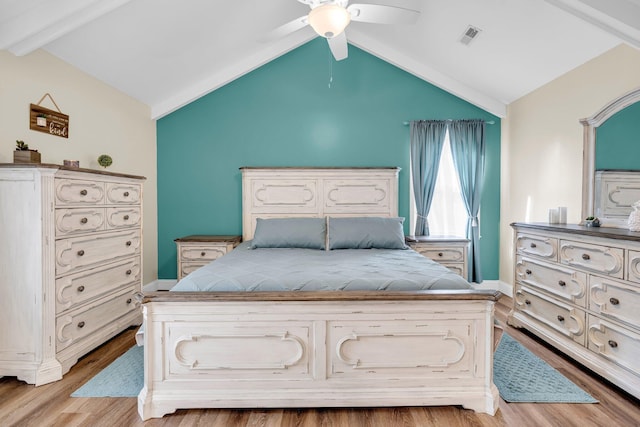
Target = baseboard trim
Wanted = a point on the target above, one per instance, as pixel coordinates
(159, 285)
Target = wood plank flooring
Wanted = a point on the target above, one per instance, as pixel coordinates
(50, 405)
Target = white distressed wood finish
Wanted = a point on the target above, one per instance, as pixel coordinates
(598, 303)
(200, 251)
(48, 214)
(414, 351)
(450, 252)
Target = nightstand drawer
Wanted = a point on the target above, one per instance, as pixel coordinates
(198, 250)
(441, 254)
(202, 252)
(190, 267)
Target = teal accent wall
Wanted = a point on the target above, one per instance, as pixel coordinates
(618, 140)
(286, 113)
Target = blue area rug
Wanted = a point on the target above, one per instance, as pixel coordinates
(519, 375)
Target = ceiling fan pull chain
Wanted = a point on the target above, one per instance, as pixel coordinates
(330, 68)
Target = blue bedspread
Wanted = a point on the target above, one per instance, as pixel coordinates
(245, 269)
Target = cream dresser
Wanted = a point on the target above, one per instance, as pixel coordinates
(578, 288)
(446, 250)
(70, 263)
(199, 250)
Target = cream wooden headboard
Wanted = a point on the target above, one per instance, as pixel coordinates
(316, 192)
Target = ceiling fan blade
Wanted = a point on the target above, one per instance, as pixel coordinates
(286, 29)
(379, 14)
(338, 46)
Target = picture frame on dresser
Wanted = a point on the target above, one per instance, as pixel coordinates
(71, 259)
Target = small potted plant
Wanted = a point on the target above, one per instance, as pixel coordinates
(24, 154)
(592, 221)
(105, 160)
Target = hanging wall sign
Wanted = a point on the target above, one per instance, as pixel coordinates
(53, 122)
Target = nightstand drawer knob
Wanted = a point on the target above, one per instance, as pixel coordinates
(129, 301)
(83, 221)
(83, 192)
(612, 343)
(128, 243)
(440, 254)
(126, 217)
(560, 318)
(128, 272)
(203, 253)
(586, 257)
(528, 302)
(562, 283)
(528, 271)
(81, 252)
(81, 325)
(80, 288)
(533, 245)
(614, 301)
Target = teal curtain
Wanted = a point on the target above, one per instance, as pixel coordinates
(467, 139)
(427, 138)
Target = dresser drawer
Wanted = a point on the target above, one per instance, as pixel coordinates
(79, 288)
(550, 313)
(615, 300)
(79, 220)
(633, 266)
(77, 324)
(78, 192)
(539, 246)
(129, 194)
(208, 252)
(613, 342)
(89, 251)
(561, 281)
(599, 258)
(440, 254)
(123, 217)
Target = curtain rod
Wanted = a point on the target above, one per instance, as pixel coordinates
(489, 122)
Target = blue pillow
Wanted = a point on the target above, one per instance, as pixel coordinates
(366, 233)
(306, 233)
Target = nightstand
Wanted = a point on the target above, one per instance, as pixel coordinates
(449, 251)
(198, 250)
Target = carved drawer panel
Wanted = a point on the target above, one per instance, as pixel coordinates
(550, 313)
(598, 258)
(440, 254)
(208, 252)
(561, 281)
(79, 220)
(90, 251)
(633, 266)
(615, 343)
(457, 268)
(356, 195)
(123, 217)
(540, 246)
(78, 192)
(615, 299)
(77, 324)
(281, 195)
(118, 193)
(78, 288)
(190, 267)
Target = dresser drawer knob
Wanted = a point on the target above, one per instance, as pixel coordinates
(528, 302)
(128, 243)
(203, 253)
(84, 221)
(586, 257)
(126, 217)
(81, 325)
(128, 272)
(126, 194)
(533, 245)
(81, 252)
(440, 254)
(612, 344)
(562, 283)
(83, 192)
(560, 318)
(80, 288)
(129, 301)
(614, 301)
(528, 271)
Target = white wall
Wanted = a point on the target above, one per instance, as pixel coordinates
(542, 142)
(102, 120)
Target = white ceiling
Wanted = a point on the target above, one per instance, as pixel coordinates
(166, 53)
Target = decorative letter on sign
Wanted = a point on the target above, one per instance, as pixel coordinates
(48, 121)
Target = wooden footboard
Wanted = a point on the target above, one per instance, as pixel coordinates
(318, 349)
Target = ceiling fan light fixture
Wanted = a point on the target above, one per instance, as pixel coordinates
(329, 20)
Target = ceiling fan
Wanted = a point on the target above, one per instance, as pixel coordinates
(329, 18)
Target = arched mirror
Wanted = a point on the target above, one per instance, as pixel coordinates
(611, 161)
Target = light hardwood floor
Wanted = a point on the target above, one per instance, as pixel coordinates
(50, 405)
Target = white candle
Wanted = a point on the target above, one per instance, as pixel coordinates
(562, 215)
(553, 216)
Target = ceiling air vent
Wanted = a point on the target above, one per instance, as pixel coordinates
(470, 34)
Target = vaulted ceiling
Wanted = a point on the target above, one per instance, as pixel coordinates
(166, 53)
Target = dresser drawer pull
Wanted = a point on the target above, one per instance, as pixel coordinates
(533, 245)
(81, 325)
(129, 301)
(83, 192)
(528, 302)
(440, 254)
(126, 194)
(128, 272)
(81, 252)
(83, 221)
(528, 271)
(614, 301)
(586, 257)
(612, 343)
(560, 318)
(562, 283)
(203, 253)
(80, 288)
(128, 243)
(126, 217)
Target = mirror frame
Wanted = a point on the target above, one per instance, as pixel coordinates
(590, 125)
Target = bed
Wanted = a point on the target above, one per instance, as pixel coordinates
(215, 342)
